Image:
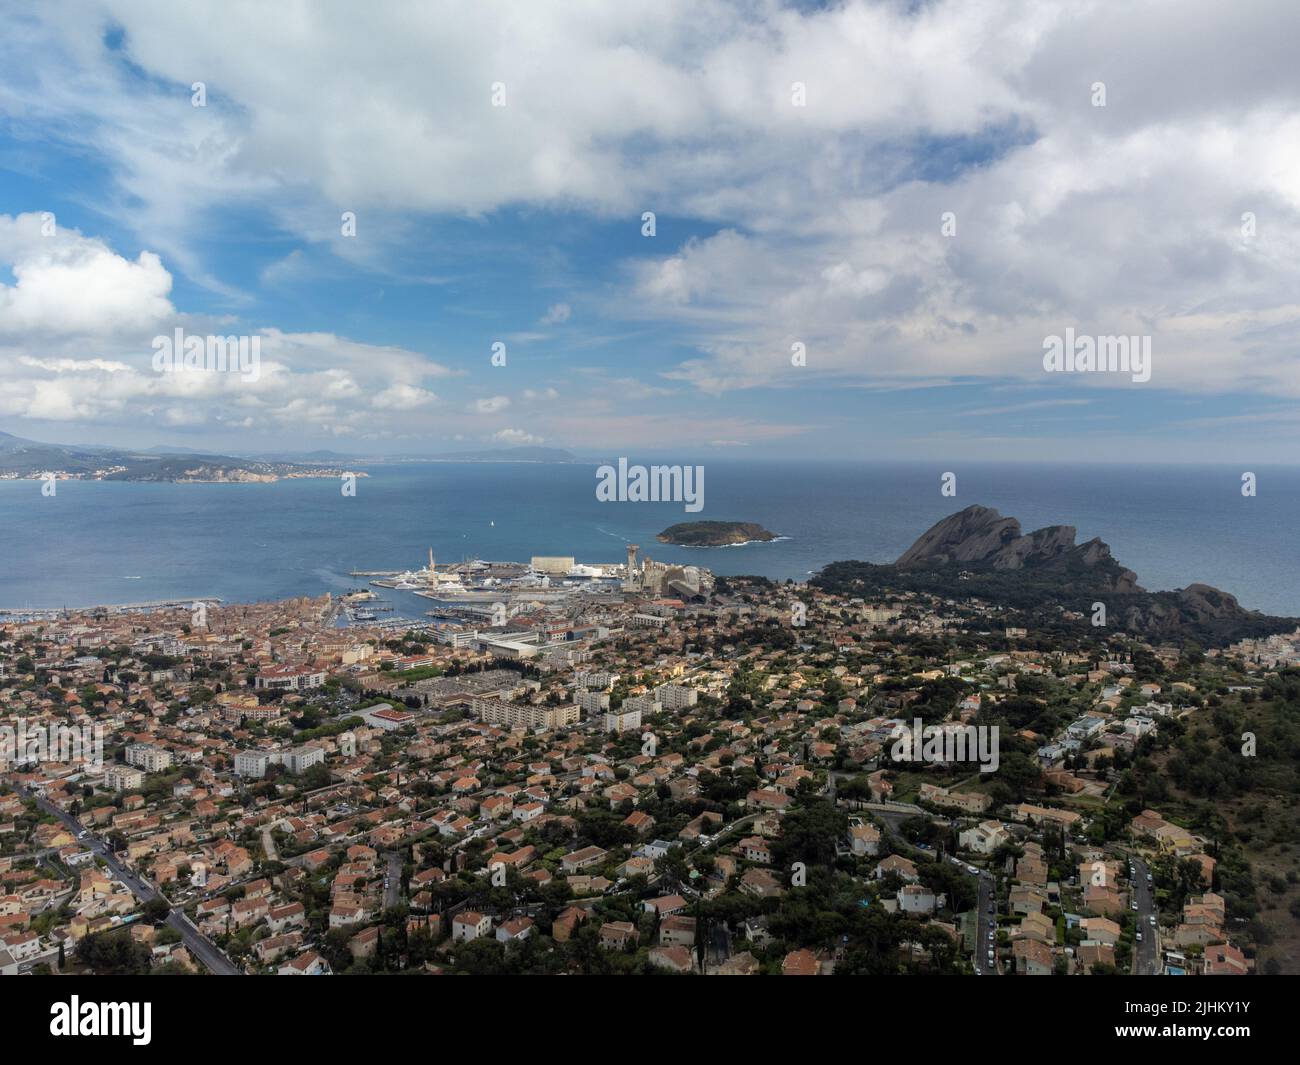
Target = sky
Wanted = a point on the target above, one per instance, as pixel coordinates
(868, 219)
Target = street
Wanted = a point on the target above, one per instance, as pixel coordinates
(983, 915)
(198, 944)
(1147, 953)
(393, 880)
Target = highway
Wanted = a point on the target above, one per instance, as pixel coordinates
(195, 941)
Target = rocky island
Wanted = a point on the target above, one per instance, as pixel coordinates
(714, 534)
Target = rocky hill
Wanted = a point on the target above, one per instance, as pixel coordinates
(1045, 577)
(982, 535)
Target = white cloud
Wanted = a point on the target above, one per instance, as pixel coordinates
(490, 405)
(76, 332)
(517, 437)
(556, 314)
(67, 284)
(403, 397)
(821, 222)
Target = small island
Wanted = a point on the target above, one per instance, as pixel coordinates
(714, 534)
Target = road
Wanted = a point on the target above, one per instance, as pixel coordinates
(393, 880)
(1146, 955)
(195, 941)
(987, 902)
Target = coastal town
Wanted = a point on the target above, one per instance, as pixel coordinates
(607, 782)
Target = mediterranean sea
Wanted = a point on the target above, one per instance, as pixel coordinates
(97, 542)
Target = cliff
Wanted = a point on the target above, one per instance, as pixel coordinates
(1045, 579)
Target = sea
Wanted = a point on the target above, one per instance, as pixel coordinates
(97, 542)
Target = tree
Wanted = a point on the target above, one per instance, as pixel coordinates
(156, 910)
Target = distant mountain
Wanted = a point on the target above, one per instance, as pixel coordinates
(978, 554)
(29, 458)
(307, 456)
(505, 454)
(508, 454)
(162, 449)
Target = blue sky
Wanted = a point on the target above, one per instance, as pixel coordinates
(782, 217)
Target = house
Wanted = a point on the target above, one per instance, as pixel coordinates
(761, 883)
(665, 905)
(364, 943)
(1091, 952)
(1031, 957)
(864, 839)
(1025, 899)
(1100, 930)
(673, 959)
(1036, 926)
(677, 931)
(344, 916)
(515, 930)
(916, 898)
(767, 799)
(896, 863)
(269, 950)
(1222, 959)
(566, 923)
(309, 964)
(576, 861)
(469, 924)
(616, 935)
(984, 838)
(800, 963)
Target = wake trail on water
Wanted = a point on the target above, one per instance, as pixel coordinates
(614, 535)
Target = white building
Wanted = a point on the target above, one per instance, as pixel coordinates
(984, 838)
(469, 925)
(300, 759)
(676, 696)
(251, 764)
(289, 678)
(592, 702)
(123, 778)
(622, 720)
(148, 757)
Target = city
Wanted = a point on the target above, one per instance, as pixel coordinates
(613, 783)
(648, 489)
